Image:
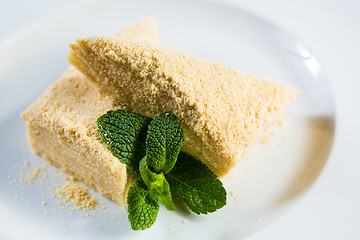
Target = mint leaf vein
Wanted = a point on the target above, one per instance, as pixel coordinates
(164, 140)
(142, 207)
(124, 132)
(193, 182)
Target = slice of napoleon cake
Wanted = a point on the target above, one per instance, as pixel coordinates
(61, 126)
(221, 110)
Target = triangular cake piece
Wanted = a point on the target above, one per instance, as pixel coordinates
(222, 110)
(61, 126)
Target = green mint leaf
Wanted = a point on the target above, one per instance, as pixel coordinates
(142, 208)
(164, 140)
(156, 182)
(124, 132)
(196, 185)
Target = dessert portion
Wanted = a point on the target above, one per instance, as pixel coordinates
(61, 126)
(221, 110)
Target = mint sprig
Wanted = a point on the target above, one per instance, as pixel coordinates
(151, 151)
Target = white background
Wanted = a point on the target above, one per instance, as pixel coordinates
(331, 30)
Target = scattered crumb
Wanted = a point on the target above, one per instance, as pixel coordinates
(32, 175)
(70, 193)
(272, 133)
(53, 195)
(171, 228)
(281, 122)
(236, 197)
(265, 140)
(185, 221)
(77, 194)
(228, 176)
(100, 226)
(28, 174)
(259, 219)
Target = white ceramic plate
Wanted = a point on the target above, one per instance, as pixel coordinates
(260, 188)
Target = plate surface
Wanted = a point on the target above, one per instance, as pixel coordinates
(260, 189)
